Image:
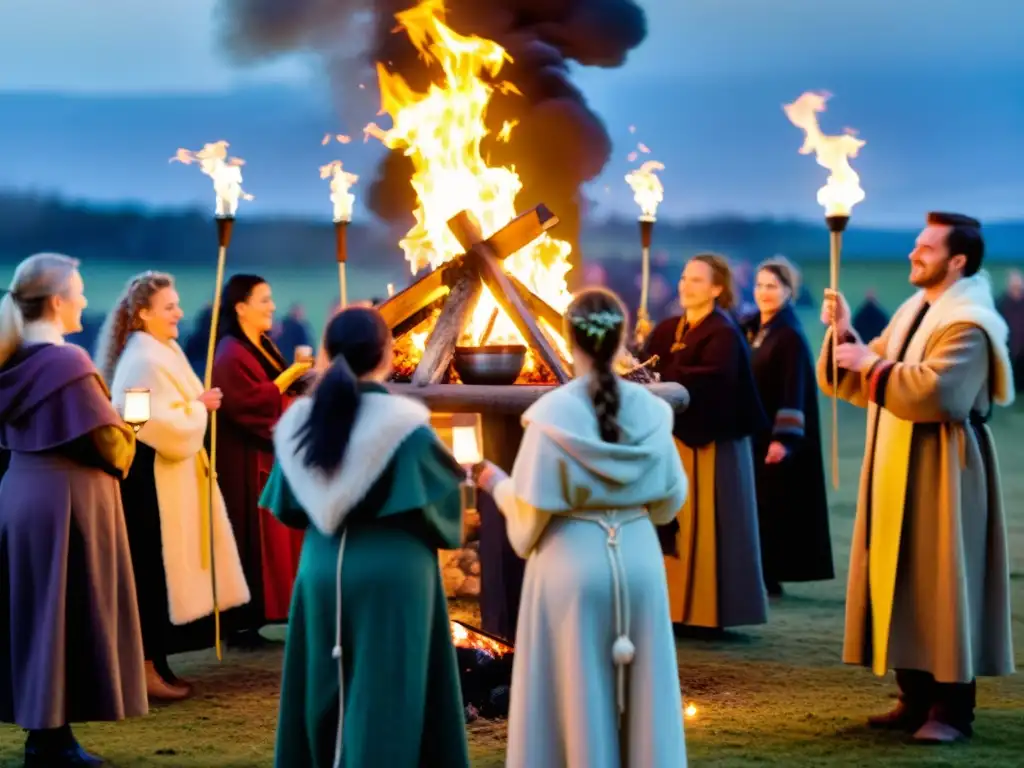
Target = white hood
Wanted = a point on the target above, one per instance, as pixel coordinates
(594, 474)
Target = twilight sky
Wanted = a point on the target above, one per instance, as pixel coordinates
(934, 86)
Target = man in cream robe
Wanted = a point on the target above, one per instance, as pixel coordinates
(928, 592)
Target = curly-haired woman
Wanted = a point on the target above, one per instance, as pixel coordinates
(166, 494)
(595, 680)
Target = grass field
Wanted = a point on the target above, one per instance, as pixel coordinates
(777, 695)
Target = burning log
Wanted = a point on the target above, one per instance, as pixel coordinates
(485, 671)
(437, 356)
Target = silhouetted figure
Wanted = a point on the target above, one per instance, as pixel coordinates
(870, 319)
(292, 332)
(198, 341)
(1011, 307)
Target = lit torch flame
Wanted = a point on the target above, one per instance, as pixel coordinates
(441, 131)
(647, 189)
(842, 190)
(341, 183)
(225, 171)
(690, 711)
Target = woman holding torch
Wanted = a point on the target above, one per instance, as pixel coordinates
(166, 495)
(70, 647)
(712, 548)
(256, 382)
(370, 674)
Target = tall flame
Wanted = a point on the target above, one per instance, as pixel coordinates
(441, 131)
(341, 183)
(647, 189)
(842, 190)
(225, 171)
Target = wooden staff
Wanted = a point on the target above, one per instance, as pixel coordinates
(225, 224)
(341, 254)
(836, 225)
(643, 320)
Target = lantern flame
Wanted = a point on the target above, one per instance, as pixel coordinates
(647, 189)
(441, 131)
(341, 183)
(842, 190)
(225, 171)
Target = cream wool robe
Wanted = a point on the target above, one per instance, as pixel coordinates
(176, 430)
(929, 574)
(581, 511)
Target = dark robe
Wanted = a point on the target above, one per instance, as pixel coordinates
(792, 503)
(870, 319)
(402, 700)
(712, 549)
(1012, 310)
(245, 455)
(70, 646)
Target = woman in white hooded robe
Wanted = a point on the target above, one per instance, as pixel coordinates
(595, 680)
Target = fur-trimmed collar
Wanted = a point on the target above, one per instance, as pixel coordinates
(42, 332)
(382, 424)
(967, 301)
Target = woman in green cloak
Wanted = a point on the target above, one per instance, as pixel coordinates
(370, 674)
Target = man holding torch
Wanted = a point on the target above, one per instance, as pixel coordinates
(928, 592)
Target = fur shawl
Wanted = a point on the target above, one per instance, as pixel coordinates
(382, 424)
(968, 301)
(176, 430)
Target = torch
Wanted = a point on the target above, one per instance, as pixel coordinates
(648, 192)
(226, 173)
(341, 182)
(841, 192)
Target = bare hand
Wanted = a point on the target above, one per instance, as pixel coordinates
(835, 309)
(211, 398)
(776, 453)
(486, 475)
(854, 356)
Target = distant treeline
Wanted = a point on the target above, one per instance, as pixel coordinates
(163, 238)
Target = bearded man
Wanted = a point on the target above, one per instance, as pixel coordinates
(928, 592)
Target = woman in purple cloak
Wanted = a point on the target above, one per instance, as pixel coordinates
(70, 644)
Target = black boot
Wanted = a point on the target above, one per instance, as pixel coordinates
(916, 696)
(57, 748)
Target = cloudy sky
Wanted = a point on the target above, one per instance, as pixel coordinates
(932, 85)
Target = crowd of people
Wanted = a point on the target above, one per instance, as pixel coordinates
(636, 524)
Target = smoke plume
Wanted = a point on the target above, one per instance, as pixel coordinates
(559, 143)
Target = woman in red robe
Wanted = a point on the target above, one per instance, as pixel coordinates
(257, 384)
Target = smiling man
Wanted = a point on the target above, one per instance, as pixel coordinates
(928, 592)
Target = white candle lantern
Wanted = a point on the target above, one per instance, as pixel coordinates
(136, 407)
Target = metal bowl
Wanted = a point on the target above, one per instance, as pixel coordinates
(498, 365)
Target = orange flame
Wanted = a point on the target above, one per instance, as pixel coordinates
(441, 131)
(842, 190)
(341, 182)
(462, 637)
(225, 171)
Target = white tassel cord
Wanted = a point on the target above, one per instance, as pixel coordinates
(336, 653)
(623, 649)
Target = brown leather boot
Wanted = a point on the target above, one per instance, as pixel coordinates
(158, 688)
(899, 718)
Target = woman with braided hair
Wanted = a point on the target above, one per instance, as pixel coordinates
(166, 494)
(595, 680)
